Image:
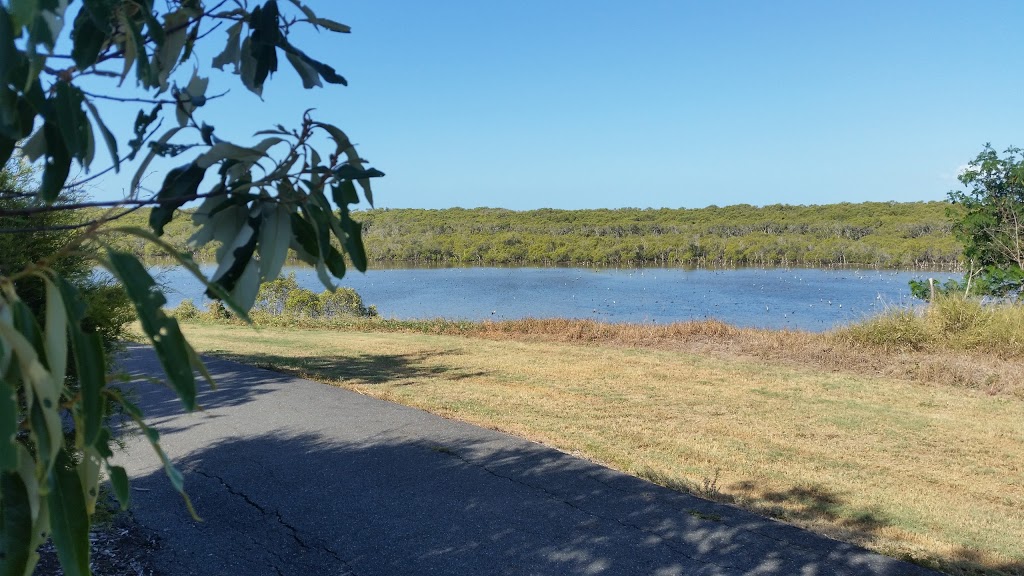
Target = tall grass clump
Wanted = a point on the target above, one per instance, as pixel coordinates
(950, 322)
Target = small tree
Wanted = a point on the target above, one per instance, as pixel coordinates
(258, 200)
(990, 224)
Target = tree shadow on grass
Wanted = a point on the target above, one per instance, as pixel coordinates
(817, 505)
(390, 503)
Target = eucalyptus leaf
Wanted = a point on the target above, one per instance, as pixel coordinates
(69, 518)
(108, 136)
(275, 234)
(9, 420)
(15, 524)
(180, 186)
(162, 331)
(232, 50)
(119, 482)
(310, 77)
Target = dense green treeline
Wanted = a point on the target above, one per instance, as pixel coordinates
(877, 234)
(900, 235)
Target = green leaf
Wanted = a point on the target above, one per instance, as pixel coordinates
(9, 53)
(305, 235)
(232, 51)
(69, 518)
(56, 334)
(180, 186)
(247, 285)
(9, 419)
(47, 432)
(248, 68)
(239, 253)
(326, 72)
(119, 481)
(310, 77)
(350, 172)
(71, 120)
(58, 164)
(335, 262)
(163, 331)
(143, 69)
(344, 193)
(25, 323)
(192, 97)
(108, 136)
(354, 246)
(226, 150)
(331, 25)
(275, 236)
(87, 38)
(89, 475)
(166, 58)
(142, 124)
(16, 525)
(89, 359)
(266, 34)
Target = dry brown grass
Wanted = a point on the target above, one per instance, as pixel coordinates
(901, 344)
(842, 351)
(930, 473)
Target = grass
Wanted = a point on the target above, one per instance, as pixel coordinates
(954, 342)
(933, 473)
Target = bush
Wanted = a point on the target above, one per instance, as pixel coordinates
(186, 310)
(302, 303)
(284, 299)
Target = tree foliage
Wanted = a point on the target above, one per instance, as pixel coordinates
(259, 199)
(991, 227)
(877, 234)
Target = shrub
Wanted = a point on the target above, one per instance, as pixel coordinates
(272, 295)
(302, 303)
(186, 310)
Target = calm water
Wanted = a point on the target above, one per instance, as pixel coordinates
(805, 299)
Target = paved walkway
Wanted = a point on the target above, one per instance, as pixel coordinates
(294, 477)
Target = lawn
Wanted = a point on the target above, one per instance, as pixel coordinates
(931, 473)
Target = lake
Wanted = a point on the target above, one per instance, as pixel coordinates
(797, 298)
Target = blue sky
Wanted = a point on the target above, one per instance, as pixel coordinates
(604, 104)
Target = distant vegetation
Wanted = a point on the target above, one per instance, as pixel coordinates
(876, 234)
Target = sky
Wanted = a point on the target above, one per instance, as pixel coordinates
(605, 104)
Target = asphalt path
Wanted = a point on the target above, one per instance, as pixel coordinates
(295, 477)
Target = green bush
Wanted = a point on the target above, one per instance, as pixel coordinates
(302, 303)
(283, 300)
(186, 310)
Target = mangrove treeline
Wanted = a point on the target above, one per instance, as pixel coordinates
(875, 234)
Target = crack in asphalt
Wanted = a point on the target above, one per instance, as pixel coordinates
(292, 530)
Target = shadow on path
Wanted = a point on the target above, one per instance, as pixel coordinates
(392, 504)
